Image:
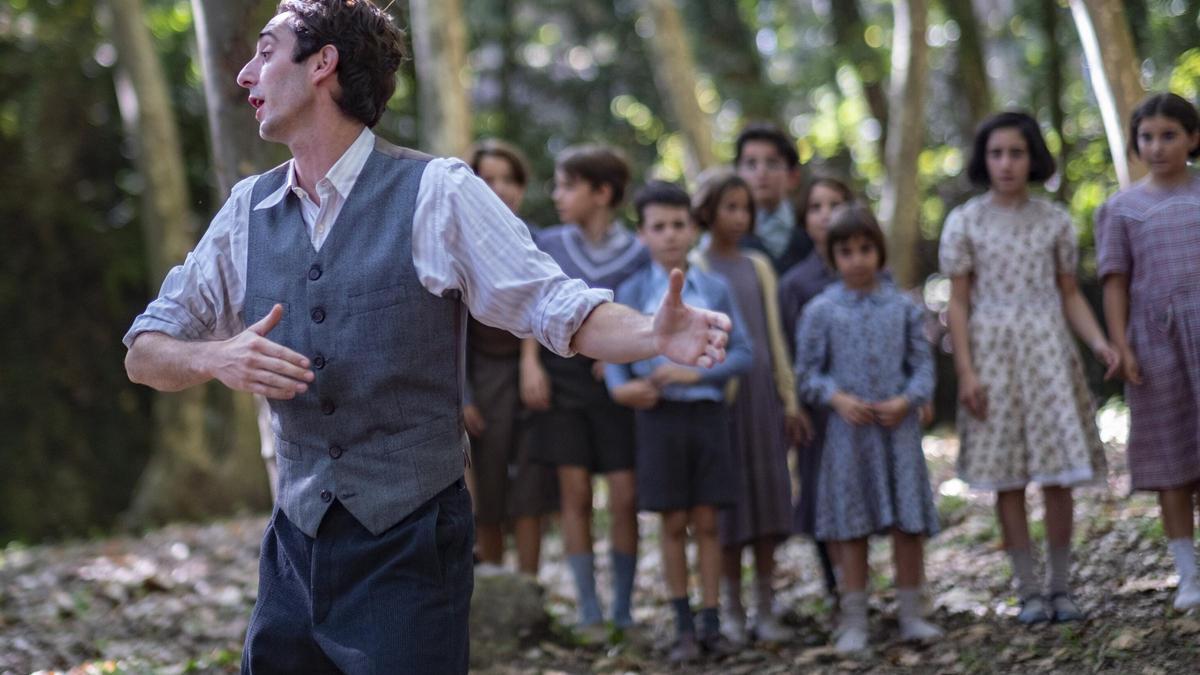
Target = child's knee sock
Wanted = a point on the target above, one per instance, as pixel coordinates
(624, 567)
(684, 624)
(853, 610)
(1059, 569)
(764, 597)
(583, 568)
(1022, 565)
(731, 598)
(710, 622)
(1184, 553)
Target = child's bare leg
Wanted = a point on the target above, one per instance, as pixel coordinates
(1014, 523)
(1060, 515)
(908, 556)
(575, 486)
(622, 505)
(853, 553)
(704, 525)
(527, 530)
(1177, 512)
(674, 552)
(1178, 522)
(490, 542)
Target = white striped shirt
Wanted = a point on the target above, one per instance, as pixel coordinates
(463, 239)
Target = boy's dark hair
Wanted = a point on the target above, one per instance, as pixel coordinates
(370, 49)
(821, 180)
(768, 133)
(1041, 162)
(855, 220)
(492, 147)
(707, 198)
(662, 193)
(1168, 105)
(599, 165)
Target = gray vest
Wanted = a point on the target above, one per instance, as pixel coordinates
(380, 429)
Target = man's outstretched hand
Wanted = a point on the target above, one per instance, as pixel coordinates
(688, 335)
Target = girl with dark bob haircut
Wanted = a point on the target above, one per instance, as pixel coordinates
(1168, 105)
(1041, 163)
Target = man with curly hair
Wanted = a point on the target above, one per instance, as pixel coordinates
(337, 285)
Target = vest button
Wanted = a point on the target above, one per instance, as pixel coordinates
(314, 273)
(318, 361)
(326, 496)
(335, 452)
(318, 315)
(327, 407)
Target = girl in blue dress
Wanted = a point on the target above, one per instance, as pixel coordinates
(862, 351)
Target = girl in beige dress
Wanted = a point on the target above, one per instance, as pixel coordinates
(1025, 412)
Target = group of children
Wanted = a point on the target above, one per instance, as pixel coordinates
(828, 357)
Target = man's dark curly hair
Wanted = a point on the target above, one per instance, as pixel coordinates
(370, 49)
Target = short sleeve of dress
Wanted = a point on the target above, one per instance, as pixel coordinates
(1066, 249)
(1112, 242)
(955, 253)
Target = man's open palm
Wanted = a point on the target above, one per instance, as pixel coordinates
(689, 335)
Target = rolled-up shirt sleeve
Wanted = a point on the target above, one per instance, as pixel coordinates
(202, 298)
(465, 239)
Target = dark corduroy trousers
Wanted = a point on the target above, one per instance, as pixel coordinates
(352, 602)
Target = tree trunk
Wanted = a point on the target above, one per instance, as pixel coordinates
(971, 71)
(439, 38)
(675, 74)
(899, 207)
(226, 34)
(732, 58)
(179, 459)
(1113, 67)
(1054, 92)
(848, 29)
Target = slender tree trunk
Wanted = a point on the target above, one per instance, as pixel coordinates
(1054, 92)
(179, 461)
(226, 33)
(675, 74)
(971, 70)
(733, 59)
(899, 208)
(1113, 66)
(848, 29)
(439, 37)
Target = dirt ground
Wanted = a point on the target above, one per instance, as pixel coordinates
(178, 599)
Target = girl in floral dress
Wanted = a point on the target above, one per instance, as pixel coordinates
(1025, 412)
(1149, 257)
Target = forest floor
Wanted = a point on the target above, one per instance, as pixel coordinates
(178, 599)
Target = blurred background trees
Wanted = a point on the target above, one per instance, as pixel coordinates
(90, 219)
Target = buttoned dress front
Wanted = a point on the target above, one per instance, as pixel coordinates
(1153, 237)
(872, 346)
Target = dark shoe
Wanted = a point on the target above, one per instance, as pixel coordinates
(684, 650)
(1065, 609)
(1033, 611)
(717, 645)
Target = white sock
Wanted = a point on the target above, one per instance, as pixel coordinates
(1184, 553)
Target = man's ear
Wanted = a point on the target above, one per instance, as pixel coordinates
(324, 64)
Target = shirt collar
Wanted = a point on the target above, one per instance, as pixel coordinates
(783, 213)
(659, 276)
(342, 175)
